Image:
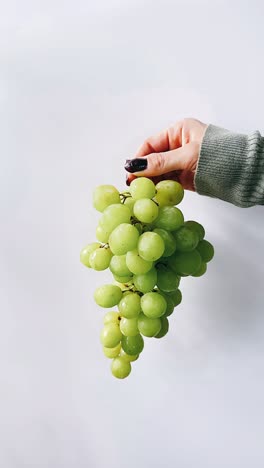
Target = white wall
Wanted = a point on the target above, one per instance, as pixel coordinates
(81, 84)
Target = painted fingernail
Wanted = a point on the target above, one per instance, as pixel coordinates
(136, 165)
(127, 180)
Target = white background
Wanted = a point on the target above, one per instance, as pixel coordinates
(82, 84)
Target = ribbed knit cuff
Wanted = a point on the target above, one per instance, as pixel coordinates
(231, 167)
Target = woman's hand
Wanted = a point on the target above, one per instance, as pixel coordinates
(172, 154)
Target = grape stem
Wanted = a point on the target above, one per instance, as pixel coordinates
(145, 227)
(132, 289)
(134, 220)
(124, 196)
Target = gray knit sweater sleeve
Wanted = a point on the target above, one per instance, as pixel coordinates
(231, 167)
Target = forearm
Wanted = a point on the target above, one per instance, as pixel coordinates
(231, 167)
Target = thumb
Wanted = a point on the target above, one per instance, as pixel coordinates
(156, 164)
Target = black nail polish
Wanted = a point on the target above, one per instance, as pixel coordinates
(136, 165)
(127, 181)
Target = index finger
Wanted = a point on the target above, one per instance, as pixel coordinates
(168, 139)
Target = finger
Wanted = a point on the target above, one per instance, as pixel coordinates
(129, 178)
(168, 139)
(158, 179)
(168, 176)
(173, 175)
(156, 164)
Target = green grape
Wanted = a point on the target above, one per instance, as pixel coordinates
(110, 335)
(123, 238)
(185, 263)
(123, 279)
(86, 252)
(101, 234)
(120, 368)
(206, 250)
(142, 188)
(100, 259)
(176, 296)
(112, 352)
(118, 266)
(146, 282)
(167, 280)
(169, 193)
(130, 202)
(201, 271)
(148, 326)
(129, 306)
(105, 195)
(132, 345)
(197, 227)
(114, 215)
(153, 305)
(107, 295)
(146, 210)
(129, 327)
(128, 357)
(164, 328)
(186, 239)
(129, 290)
(150, 246)
(169, 241)
(112, 317)
(169, 218)
(136, 264)
(170, 305)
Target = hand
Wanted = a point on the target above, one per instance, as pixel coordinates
(172, 154)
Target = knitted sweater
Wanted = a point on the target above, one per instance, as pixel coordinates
(231, 167)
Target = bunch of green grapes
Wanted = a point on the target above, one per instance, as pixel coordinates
(148, 247)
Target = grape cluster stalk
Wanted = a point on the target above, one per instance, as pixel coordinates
(148, 247)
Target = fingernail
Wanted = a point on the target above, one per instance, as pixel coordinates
(136, 165)
(127, 180)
